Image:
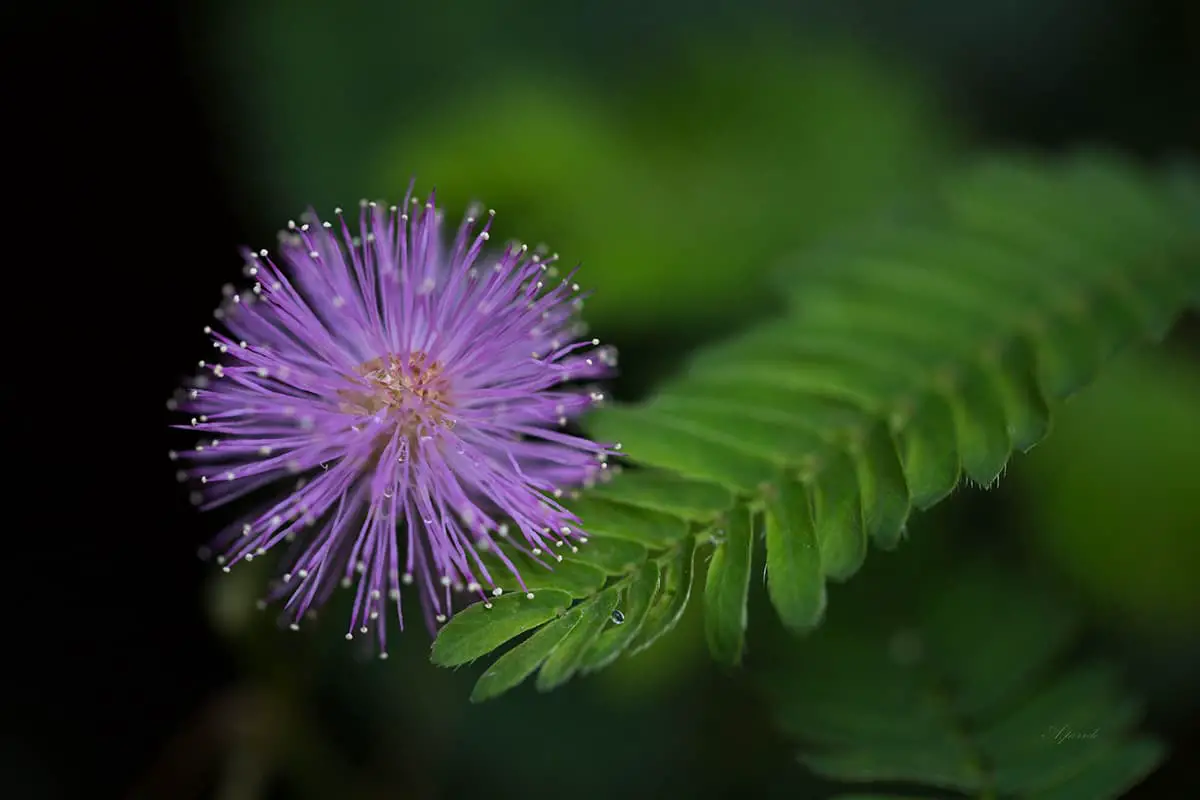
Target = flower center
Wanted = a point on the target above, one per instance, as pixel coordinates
(411, 390)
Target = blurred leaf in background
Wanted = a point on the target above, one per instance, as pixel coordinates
(1108, 507)
(677, 185)
(960, 681)
(682, 191)
(1110, 499)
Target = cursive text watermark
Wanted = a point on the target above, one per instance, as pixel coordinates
(1065, 733)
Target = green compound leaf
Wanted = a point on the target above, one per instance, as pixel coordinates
(654, 529)
(481, 628)
(661, 440)
(591, 633)
(576, 578)
(676, 570)
(938, 691)
(928, 348)
(520, 662)
(727, 588)
(633, 608)
(611, 556)
(568, 656)
(913, 353)
(669, 492)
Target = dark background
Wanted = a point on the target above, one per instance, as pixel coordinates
(195, 119)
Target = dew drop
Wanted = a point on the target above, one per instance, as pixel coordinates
(617, 617)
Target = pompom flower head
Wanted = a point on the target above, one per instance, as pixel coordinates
(412, 395)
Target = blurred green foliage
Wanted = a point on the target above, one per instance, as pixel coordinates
(677, 191)
(909, 692)
(1110, 498)
(683, 190)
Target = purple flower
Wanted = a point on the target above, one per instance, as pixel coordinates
(413, 398)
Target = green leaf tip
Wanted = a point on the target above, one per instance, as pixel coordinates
(727, 588)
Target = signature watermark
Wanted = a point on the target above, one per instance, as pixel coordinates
(1065, 733)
